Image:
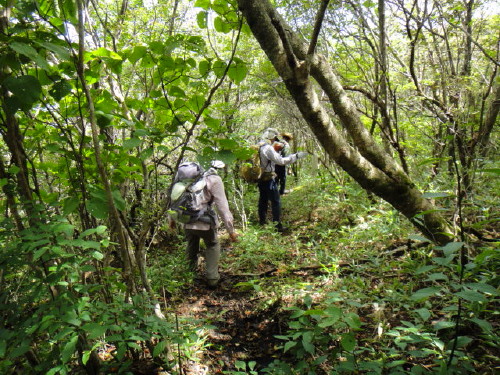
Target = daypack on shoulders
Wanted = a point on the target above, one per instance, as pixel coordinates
(188, 203)
(251, 171)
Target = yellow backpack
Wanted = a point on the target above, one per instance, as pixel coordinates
(251, 171)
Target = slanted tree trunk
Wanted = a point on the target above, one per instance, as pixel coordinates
(366, 162)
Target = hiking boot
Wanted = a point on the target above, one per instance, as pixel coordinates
(212, 283)
(280, 228)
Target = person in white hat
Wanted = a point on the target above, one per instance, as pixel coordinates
(268, 187)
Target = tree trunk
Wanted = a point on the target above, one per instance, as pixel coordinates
(367, 162)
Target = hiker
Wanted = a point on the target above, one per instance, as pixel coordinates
(281, 169)
(268, 187)
(206, 230)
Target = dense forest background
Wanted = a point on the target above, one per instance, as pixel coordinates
(390, 264)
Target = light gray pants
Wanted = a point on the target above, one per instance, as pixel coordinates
(212, 253)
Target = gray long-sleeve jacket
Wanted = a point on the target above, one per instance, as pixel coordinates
(269, 158)
(216, 194)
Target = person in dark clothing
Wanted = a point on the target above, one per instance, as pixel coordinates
(281, 169)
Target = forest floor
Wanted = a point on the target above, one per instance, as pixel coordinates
(240, 330)
(373, 261)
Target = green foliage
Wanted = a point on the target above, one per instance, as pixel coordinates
(53, 308)
(319, 334)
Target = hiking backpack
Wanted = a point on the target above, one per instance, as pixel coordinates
(251, 171)
(188, 202)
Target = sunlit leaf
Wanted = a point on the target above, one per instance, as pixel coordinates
(205, 4)
(137, 53)
(201, 19)
(219, 68)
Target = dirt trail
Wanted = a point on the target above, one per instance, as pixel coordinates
(242, 331)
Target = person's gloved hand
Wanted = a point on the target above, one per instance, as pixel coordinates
(301, 155)
(233, 237)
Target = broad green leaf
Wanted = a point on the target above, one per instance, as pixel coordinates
(118, 200)
(31, 53)
(26, 91)
(70, 205)
(14, 169)
(444, 261)
(69, 349)
(443, 325)
(204, 4)
(219, 68)
(137, 53)
(69, 11)
(61, 51)
(48, 9)
(94, 330)
(228, 144)
(86, 356)
(97, 208)
(463, 341)
(157, 47)
(221, 25)
(98, 255)
(114, 65)
(297, 313)
(483, 324)
(201, 19)
(437, 276)
(348, 341)
(60, 89)
(131, 143)
(146, 154)
(212, 123)
(451, 248)
(39, 253)
(417, 237)
(353, 320)
(425, 293)
(472, 296)
(176, 91)
(65, 228)
(289, 345)
(483, 287)
(204, 67)
(307, 343)
(104, 52)
(328, 322)
(424, 313)
(20, 350)
(159, 348)
(148, 61)
(237, 71)
(99, 230)
(195, 103)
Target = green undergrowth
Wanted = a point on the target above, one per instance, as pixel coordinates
(363, 293)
